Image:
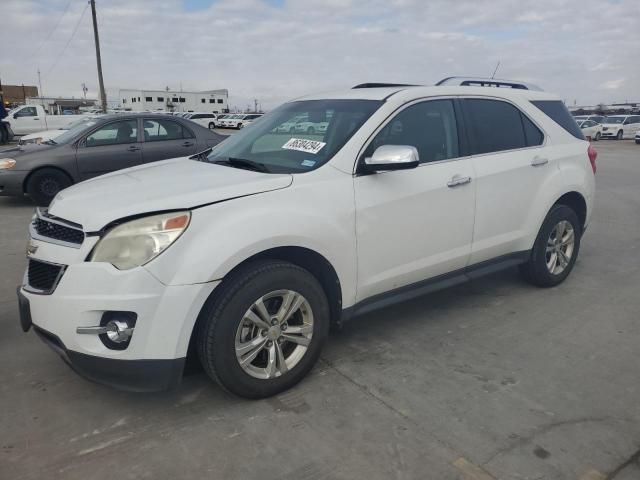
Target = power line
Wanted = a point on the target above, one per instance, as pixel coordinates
(53, 30)
(73, 34)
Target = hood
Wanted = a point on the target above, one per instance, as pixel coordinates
(173, 184)
(45, 134)
(18, 151)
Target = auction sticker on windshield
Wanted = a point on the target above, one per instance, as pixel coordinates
(302, 145)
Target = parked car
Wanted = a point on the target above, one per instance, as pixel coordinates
(595, 118)
(245, 257)
(239, 120)
(590, 129)
(97, 146)
(33, 118)
(43, 136)
(620, 126)
(637, 137)
(205, 119)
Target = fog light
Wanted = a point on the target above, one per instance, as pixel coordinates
(115, 329)
(118, 331)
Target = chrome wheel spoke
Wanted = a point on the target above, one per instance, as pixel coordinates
(250, 350)
(568, 239)
(291, 302)
(564, 260)
(304, 341)
(256, 320)
(300, 329)
(271, 368)
(553, 261)
(281, 361)
(262, 310)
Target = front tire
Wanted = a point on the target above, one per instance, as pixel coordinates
(556, 248)
(263, 331)
(43, 185)
(597, 137)
(212, 125)
(619, 135)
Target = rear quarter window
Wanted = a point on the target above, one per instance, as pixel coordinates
(556, 111)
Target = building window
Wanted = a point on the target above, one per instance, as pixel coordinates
(133, 99)
(204, 100)
(219, 100)
(182, 100)
(124, 100)
(174, 99)
(148, 99)
(161, 99)
(138, 98)
(212, 100)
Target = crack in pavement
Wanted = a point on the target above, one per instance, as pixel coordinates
(635, 458)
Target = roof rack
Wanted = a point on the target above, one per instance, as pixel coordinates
(487, 82)
(379, 85)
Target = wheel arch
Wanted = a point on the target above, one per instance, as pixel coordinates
(577, 203)
(45, 167)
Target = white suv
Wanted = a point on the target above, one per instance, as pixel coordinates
(246, 254)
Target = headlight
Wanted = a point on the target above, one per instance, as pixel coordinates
(6, 163)
(37, 140)
(139, 241)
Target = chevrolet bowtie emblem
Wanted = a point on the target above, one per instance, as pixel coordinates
(31, 249)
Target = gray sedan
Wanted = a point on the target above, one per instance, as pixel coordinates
(95, 147)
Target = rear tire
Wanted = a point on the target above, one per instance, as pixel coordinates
(619, 135)
(597, 137)
(554, 254)
(225, 328)
(212, 125)
(43, 185)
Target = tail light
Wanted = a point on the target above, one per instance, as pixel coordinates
(593, 154)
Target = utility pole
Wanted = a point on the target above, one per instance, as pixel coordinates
(255, 105)
(40, 83)
(103, 96)
(84, 90)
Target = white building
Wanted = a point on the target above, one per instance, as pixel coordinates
(215, 101)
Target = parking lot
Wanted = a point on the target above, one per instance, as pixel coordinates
(494, 379)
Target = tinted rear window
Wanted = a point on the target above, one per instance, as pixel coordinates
(496, 126)
(557, 111)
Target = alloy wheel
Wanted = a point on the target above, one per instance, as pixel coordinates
(274, 334)
(560, 245)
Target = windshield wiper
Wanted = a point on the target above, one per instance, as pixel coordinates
(244, 164)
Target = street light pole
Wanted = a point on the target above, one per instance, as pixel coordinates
(103, 96)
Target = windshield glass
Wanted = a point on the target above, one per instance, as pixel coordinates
(73, 129)
(615, 119)
(282, 148)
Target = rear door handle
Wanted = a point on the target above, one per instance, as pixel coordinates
(457, 180)
(133, 148)
(538, 161)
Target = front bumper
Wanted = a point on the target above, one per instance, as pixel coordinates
(610, 132)
(12, 181)
(166, 315)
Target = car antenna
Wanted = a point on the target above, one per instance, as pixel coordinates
(495, 70)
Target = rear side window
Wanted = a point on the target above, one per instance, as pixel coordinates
(557, 111)
(532, 134)
(496, 126)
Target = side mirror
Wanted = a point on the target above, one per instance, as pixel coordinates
(15, 115)
(392, 157)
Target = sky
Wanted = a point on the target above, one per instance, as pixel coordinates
(586, 51)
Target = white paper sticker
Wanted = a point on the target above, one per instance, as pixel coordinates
(303, 145)
(308, 163)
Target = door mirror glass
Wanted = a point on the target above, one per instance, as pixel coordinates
(392, 157)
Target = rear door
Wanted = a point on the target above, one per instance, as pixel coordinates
(110, 147)
(164, 138)
(632, 124)
(511, 164)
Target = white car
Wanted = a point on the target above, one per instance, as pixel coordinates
(620, 126)
(596, 118)
(239, 120)
(28, 119)
(245, 257)
(637, 137)
(591, 129)
(208, 120)
(46, 135)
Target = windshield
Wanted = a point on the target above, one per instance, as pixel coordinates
(73, 129)
(280, 149)
(577, 119)
(615, 119)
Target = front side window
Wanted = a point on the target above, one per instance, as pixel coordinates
(27, 112)
(272, 144)
(429, 126)
(125, 131)
(160, 130)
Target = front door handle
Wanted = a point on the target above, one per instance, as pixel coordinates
(538, 161)
(133, 148)
(457, 180)
(187, 144)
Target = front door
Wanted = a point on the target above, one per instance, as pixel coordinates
(113, 146)
(165, 139)
(415, 224)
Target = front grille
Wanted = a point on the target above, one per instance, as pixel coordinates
(43, 277)
(57, 231)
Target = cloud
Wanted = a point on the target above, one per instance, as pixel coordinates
(277, 50)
